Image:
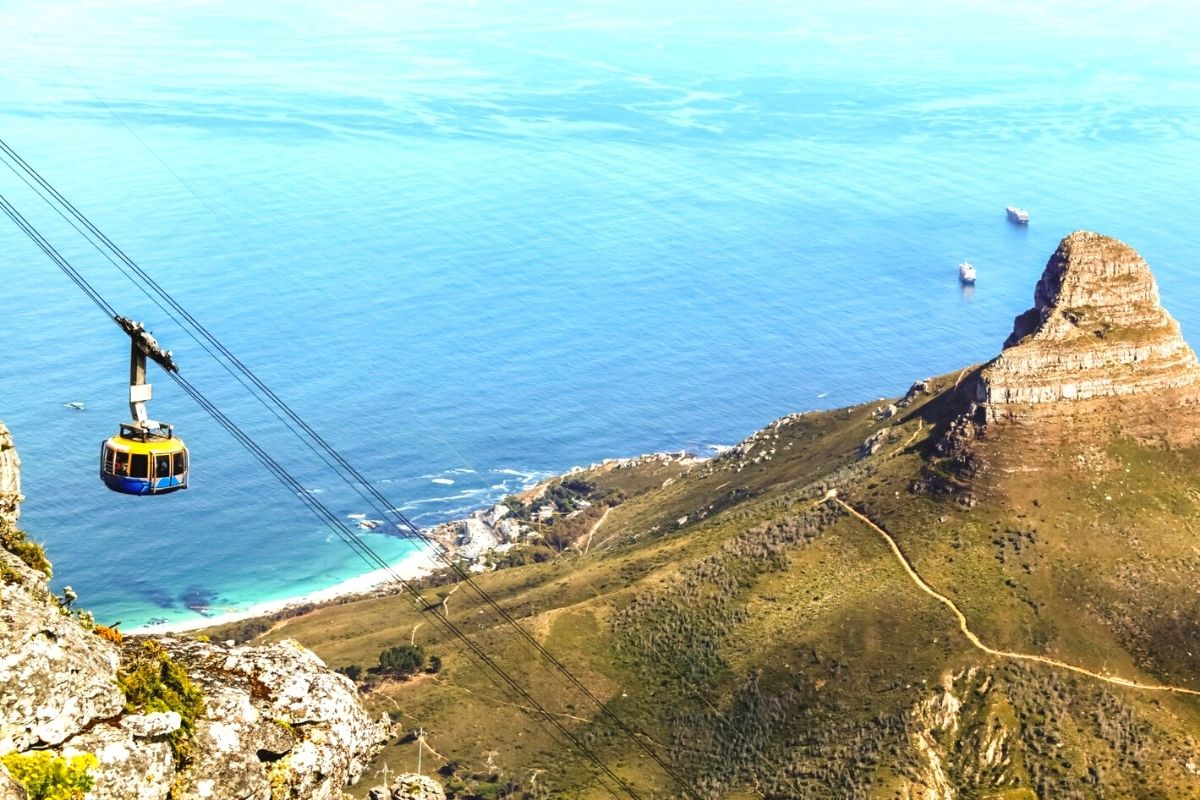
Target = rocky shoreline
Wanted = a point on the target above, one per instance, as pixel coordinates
(499, 528)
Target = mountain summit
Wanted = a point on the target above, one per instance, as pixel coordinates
(1096, 330)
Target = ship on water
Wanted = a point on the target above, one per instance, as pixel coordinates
(1018, 215)
(966, 273)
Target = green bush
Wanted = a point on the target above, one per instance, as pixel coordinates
(402, 660)
(13, 540)
(46, 776)
(351, 671)
(152, 681)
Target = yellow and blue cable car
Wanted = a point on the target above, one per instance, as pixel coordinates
(145, 457)
(139, 461)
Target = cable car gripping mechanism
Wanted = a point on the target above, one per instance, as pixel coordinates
(147, 344)
(142, 346)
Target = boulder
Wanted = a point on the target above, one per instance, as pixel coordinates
(128, 769)
(278, 723)
(55, 677)
(409, 786)
(872, 443)
(885, 412)
(918, 388)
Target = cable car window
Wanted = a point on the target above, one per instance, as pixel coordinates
(106, 460)
(181, 462)
(120, 463)
(139, 465)
(162, 466)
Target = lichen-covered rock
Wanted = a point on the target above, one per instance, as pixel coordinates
(278, 723)
(10, 789)
(1096, 330)
(55, 677)
(128, 769)
(149, 726)
(409, 786)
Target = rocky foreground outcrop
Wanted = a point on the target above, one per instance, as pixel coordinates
(1096, 330)
(276, 723)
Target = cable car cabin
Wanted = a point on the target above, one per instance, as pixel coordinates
(144, 460)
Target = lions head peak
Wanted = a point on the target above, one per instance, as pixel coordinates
(1096, 331)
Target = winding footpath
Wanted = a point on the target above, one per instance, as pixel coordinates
(592, 531)
(1116, 680)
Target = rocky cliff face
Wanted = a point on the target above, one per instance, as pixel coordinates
(276, 723)
(1096, 331)
(10, 478)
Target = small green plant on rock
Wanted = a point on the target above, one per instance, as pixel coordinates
(9, 575)
(13, 540)
(153, 681)
(46, 776)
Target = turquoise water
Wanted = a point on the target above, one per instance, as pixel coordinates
(483, 242)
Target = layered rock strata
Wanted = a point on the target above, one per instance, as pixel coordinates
(276, 722)
(1096, 330)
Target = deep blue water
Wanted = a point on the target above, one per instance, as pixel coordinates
(483, 242)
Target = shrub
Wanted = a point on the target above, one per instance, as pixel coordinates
(435, 664)
(402, 660)
(152, 681)
(46, 776)
(14, 541)
(351, 671)
(109, 634)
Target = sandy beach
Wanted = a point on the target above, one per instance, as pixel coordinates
(413, 565)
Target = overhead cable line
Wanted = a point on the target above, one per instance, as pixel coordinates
(351, 538)
(355, 479)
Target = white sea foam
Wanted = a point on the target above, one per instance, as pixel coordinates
(463, 495)
(442, 481)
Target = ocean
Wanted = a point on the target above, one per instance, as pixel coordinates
(478, 243)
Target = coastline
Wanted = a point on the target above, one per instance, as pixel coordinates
(412, 566)
(474, 538)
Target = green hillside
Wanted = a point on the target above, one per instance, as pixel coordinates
(765, 642)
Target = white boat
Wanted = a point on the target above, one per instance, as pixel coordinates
(1017, 215)
(966, 273)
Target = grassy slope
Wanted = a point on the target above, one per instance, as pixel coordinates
(770, 644)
